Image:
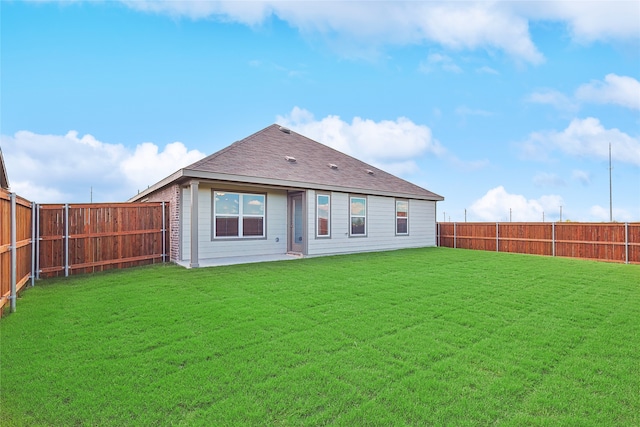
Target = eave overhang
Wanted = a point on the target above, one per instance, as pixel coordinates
(184, 175)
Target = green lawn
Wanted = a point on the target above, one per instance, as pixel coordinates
(415, 337)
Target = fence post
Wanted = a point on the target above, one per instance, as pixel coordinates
(66, 240)
(454, 236)
(439, 239)
(553, 239)
(163, 234)
(12, 297)
(497, 237)
(626, 243)
(37, 212)
(33, 243)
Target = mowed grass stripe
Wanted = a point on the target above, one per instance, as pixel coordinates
(414, 337)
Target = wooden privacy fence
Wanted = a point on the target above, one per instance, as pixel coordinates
(614, 242)
(84, 238)
(16, 246)
(75, 238)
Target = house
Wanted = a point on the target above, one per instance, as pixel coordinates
(4, 178)
(277, 192)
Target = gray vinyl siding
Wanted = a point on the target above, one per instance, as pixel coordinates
(380, 226)
(381, 223)
(276, 227)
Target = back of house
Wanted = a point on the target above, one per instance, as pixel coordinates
(277, 192)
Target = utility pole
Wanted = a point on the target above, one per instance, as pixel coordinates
(560, 213)
(610, 188)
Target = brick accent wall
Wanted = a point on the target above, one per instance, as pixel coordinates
(171, 194)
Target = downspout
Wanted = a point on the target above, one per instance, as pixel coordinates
(164, 236)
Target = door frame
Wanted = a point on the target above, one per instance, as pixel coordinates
(293, 247)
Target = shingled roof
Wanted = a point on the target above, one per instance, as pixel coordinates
(279, 156)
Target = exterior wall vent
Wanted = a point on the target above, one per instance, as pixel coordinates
(333, 166)
(369, 171)
(290, 159)
(284, 129)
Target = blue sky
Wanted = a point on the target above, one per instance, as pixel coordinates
(498, 106)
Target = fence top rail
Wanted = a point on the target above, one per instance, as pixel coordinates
(598, 224)
(47, 206)
(50, 206)
(557, 223)
(6, 195)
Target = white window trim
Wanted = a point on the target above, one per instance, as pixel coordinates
(318, 235)
(240, 216)
(366, 208)
(402, 217)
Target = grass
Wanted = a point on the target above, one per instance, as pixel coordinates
(415, 337)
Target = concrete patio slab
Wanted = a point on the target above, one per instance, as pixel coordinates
(217, 262)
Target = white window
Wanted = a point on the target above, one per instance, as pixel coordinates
(402, 217)
(323, 215)
(358, 216)
(238, 215)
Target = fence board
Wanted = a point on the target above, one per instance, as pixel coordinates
(613, 242)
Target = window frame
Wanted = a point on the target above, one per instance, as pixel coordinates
(364, 216)
(397, 201)
(318, 235)
(240, 215)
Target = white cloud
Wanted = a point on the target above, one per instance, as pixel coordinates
(497, 204)
(389, 144)
(478, 24)
(457, 25)
(454, 25)
(598, 213)
(40, 193)
(589, 21)
(553, 98)
(585, 138)
(581, 176)
(545, 179)
(147, 166)
(620, 90)
(438, 61)
(66, 168)
(251, 13)
(487, 70)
